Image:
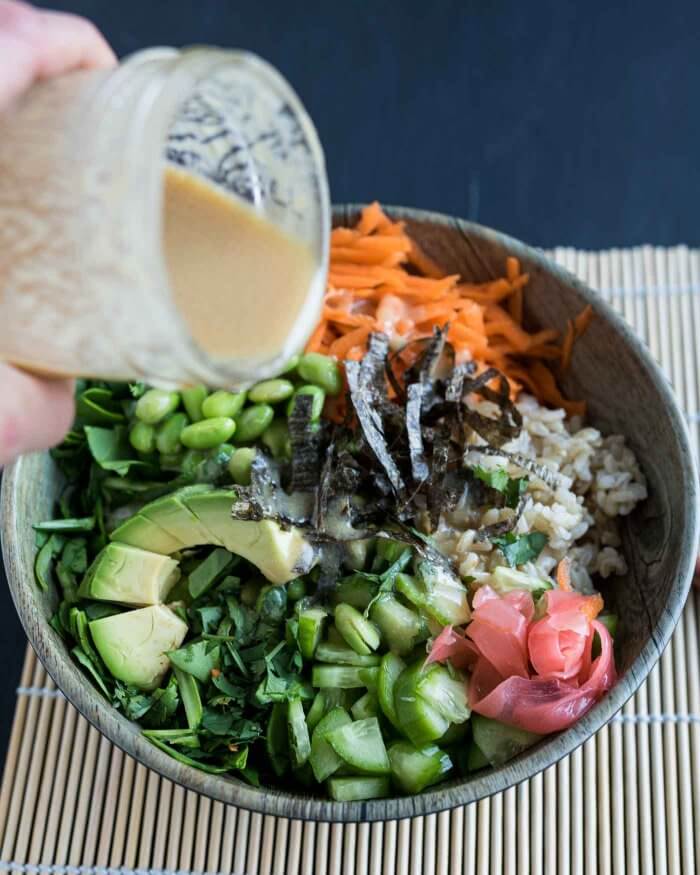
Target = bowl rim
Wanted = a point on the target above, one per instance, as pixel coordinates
(90, 703)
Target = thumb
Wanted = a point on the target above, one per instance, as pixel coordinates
(34, 413)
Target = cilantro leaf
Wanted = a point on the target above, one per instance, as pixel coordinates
(517, 550)
(512, 488)
(197, 659)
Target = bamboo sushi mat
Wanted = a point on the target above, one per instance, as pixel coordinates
(628, 801)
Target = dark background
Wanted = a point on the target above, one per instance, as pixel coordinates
(559, 122)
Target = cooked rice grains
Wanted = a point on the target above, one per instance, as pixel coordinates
(598, 480)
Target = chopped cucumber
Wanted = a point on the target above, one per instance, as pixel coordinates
(189, 693)
(276, 739)
(499, 742)
(415, 768)
(366, 706)
(389, 550)
(343, 677)
(360, 745)
(447, 694)
(444, 594)
(401, 628)
(357, 591)
(299, 741)
(356, 553)
(342, 655)
(457, 732)
(310, 630)
(389, 671)
(324, 760)
(358, 632)
(357, 789)
(475, 758)
(505, 580)
(418, 719)
(316, 711)
(370, 676)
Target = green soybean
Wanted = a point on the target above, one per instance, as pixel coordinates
(276, 439)
(321, 370)
(222, 403)
(290, 365)
(155, 405)
(142, 437)
(318, 396)
(252, 422)
(271, 391)
(296, 590)
(168, 436)
(240, 465)
(192, 399)
(208, 433)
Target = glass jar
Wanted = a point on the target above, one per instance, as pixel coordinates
(84, 288)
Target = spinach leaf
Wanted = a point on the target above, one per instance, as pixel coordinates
(44, 560)
(111, 449)
(519, 549)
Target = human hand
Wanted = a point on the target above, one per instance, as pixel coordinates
(36, 44)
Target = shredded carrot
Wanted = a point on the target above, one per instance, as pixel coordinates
(564, 575)
(381, 280)
(592, 605)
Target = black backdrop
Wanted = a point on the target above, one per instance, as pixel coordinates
(556, 121)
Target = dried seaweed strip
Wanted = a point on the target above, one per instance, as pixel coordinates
(419, 466)
(545, 474)
(304, 437)
(371, 424)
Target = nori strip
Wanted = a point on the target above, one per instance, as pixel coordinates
(305, 440)
(371, 421)
(419, 466)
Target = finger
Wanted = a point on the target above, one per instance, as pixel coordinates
(34, 413)
(35, 44)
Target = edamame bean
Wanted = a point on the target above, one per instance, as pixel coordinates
(321, 370)
(318, 396)
(223, 403)
(252, 422)
(290, 365)
(208, 433)
(168, 436)
(192, 399)
(142, 437)
(276, 439)
(271, 391)
(155, 405)
(296, 589)
(240, 465)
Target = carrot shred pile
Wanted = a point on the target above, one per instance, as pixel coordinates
(380, 280)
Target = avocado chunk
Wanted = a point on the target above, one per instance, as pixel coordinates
(139, 531)
(130, 576)
(133, 645)
(281, 555)
(172, 514)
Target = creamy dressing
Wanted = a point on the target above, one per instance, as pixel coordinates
(239, 281)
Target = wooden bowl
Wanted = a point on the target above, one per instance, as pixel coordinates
(626, 393)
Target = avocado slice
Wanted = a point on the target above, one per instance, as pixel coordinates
(172, 514)
(133, 645)
(130, 576)
(281, 555)
(139, 531)
(192, 517)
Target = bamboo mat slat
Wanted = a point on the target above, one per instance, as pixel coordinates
(628, 801)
